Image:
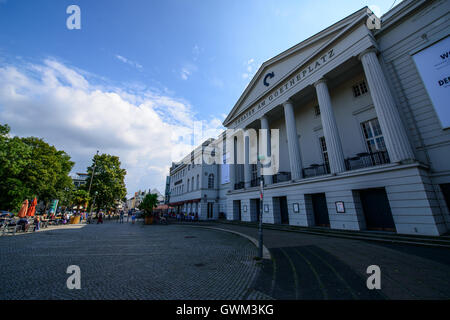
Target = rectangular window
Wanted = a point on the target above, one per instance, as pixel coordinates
(373, 135)
(323, 148)
(359, 89)
(254, 171)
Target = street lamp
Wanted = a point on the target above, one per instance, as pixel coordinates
(93, 202)
(92, 177)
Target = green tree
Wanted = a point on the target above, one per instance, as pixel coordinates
(148, 203)
(30, 167)
(108, 181)
(48, 172)
(80, 198)
(15, 156)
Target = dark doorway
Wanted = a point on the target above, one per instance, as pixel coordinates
(255, 209)
(446, 193)
(237, 209)
(320, 209)
(210, 210)
(284, 210)
(377, 210)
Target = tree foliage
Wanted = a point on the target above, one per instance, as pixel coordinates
(80, 198)
(148, 203)
(109, 181)
(30, 167)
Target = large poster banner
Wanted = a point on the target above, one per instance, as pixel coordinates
(433, 64)
(54, 206)
(225, 171)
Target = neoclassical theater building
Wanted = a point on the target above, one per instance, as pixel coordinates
(363, 140)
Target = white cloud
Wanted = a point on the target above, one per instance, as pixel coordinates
(187, 70)
(62, 105)
(250, 69)
(130, 62)
(185, 73)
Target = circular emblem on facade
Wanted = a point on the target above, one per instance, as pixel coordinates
(270, 75)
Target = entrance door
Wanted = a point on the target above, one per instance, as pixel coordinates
(237, 209)
(377, 210)
(284, 210)
(320, 209)
(210, 210)
(258, 209)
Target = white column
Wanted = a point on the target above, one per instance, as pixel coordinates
(232, 161)
(394, 133)
(293, 143)
(247, 167)
(265, 125)
(330, 129)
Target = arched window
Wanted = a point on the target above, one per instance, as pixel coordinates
(192, 185)
(211, 181)
(187, 187)
(198, 182)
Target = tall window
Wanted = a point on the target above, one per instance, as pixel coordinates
(373, 135)
(198, 182)
(211, 181)
(192, 185)
(254, 171)
(323, 148)
(187, 186)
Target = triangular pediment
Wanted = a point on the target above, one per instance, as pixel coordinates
(274, 71)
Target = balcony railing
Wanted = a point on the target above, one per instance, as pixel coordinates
(239, 185)
(365, 160)
(281, 176)
(255, 182)
(316, 170)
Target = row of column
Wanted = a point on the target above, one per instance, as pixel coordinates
(394, 133)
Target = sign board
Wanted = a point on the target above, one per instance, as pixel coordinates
(53, 206)
(433, 64)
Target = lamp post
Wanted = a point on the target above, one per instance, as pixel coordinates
(92, 177)
(93, 202)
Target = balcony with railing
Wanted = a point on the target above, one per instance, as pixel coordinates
(316, 170)
(367, 159)
(281, 177)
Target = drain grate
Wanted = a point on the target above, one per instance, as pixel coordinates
(190, 237)
(199, 264)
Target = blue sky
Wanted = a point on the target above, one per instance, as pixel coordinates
(175, 61)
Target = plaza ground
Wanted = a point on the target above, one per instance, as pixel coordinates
(191, 261)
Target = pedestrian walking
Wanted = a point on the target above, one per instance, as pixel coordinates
(121, 217)
(100, 218)
(133, 218)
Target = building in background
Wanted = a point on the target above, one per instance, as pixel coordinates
(197, 187)
(79, 179)
(167, 191)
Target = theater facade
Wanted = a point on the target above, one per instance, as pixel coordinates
(363, 135)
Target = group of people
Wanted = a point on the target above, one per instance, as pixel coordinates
(132, 214)
(184, 216)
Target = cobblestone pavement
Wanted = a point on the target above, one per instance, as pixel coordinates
(125, 261)
(306, 266)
